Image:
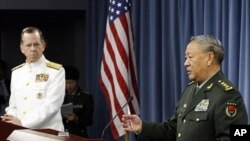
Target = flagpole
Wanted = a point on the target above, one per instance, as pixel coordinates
(127, 136)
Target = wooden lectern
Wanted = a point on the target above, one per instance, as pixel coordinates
(7, 128)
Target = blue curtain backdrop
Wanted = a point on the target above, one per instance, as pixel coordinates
(162, 29)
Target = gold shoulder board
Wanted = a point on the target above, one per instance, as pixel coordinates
(17, 67)
(53, 65)
(225, 86)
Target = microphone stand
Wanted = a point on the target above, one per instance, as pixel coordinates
(105, 128)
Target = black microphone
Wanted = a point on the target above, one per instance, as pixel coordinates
(105, 128)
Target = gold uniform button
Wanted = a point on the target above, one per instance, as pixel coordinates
(25, 98)
(24, 112)
(179, 135)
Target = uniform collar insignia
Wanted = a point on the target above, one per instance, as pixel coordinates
(209, 87)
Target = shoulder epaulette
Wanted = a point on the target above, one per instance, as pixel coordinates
(17, 67)
(225, 85)
(53, 65)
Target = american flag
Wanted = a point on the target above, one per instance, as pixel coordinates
(118, 80)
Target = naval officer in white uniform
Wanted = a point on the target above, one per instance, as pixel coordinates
(37, 87)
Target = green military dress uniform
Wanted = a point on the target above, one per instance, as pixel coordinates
(204, 116)
(83, 106)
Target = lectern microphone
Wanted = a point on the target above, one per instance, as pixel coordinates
(105, 128)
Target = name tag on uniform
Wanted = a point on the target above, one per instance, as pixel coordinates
(202, 106)
(42, 77)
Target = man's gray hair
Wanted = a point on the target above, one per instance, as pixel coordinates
(210, 43)
(32, 29)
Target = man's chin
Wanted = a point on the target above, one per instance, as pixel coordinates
(33, 59)
(191, 78)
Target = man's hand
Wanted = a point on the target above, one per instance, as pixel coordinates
(11, 119)
(132, 123)
(72, 117)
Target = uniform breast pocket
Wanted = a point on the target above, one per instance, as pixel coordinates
(197, 116)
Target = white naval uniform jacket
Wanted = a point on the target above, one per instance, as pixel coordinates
(37, 93)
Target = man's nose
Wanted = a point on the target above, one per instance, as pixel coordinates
(33, 47)
(186, 63)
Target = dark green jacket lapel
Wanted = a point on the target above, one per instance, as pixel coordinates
(201, 94)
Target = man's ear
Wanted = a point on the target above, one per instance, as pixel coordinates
(211, 58)
(44, 45)
(21, 48)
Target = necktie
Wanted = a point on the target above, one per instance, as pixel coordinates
(196, 89)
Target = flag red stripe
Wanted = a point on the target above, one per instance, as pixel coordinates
(119, 45)
(106, 93)
(120, 78)
(123, 20)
